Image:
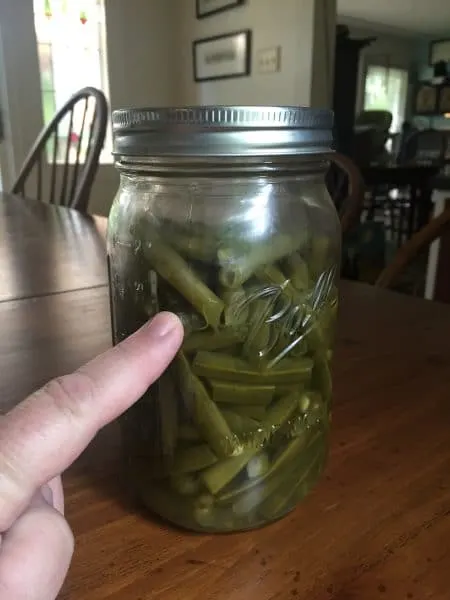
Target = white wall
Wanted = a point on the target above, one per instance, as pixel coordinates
(286, 23)
(21, 112)
(141, 39)
(141, 45)
(150, 58)
(324, 44)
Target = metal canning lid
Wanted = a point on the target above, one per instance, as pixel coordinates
(208, 131)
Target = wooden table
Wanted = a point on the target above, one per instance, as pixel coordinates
(48, 249)
(378, 524)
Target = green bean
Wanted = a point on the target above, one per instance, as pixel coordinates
(237, 268)
(247, 502)
(186, 484)
(300, 472)
(321, 377)
(254, 411)
(190, 459)
(278, 414)
(328, 321)
(258, 466)
(188, 433)
(173, 268)
(192, 322)
(167, 408)
(241, 425)
(236, 307)
(216, 366)
(201, 248)
(208, 516)
(258, 338)
(307, 399)
(286, 340)
(297, 271)
(203, 509)
(286, 458)
(292, 451)
(271, 274)
(234, 393)
(319, 255)
(208, 419)
(219, 475)
(213, 340)
(314, 409)
(283, 390)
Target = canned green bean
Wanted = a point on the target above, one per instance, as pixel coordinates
(223, 217)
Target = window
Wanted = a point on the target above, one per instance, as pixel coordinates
(71, 43)
(387, 89)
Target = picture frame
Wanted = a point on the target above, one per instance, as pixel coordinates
(444, 99)
(207, 8)
(223, 56)
(426, 99)
(439, 51)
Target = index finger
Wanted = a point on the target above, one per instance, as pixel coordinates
(46, 432)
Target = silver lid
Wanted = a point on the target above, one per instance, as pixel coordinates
(203, 131)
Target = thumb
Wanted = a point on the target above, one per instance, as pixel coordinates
(35, 552)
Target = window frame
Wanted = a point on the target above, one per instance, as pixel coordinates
(391, 67)
(100, 48)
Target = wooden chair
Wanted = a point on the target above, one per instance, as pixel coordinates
(346, 186)
(426, 147)
(69, 180)
(419, 241)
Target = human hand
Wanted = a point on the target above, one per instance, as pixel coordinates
(45, 433)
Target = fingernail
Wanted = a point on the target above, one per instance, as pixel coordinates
(163, 325)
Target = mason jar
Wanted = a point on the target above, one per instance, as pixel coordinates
(223, 217)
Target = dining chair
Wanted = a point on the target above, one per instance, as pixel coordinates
(419, 242)
(380, 119)
(65, 156)
(426, 147)
(346, 187)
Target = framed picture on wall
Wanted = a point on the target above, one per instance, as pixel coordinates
(444, 99)
(439, 51)
(222, 56)
(206, 8)
(426, 99)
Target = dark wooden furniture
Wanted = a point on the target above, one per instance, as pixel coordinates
(69, 182)
(425, 147)
(46, 249)
(376, 526)
(346, 70)
(399, 175)
(432, 99)
(413, 202)
(346, 186)
(420, 241)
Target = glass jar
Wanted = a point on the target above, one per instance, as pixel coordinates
(223, 217)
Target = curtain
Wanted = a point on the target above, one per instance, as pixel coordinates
(386, 88)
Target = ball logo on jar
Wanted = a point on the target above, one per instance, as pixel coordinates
(280, 319)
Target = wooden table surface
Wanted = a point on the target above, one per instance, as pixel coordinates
(378, 524)
(48, 249)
